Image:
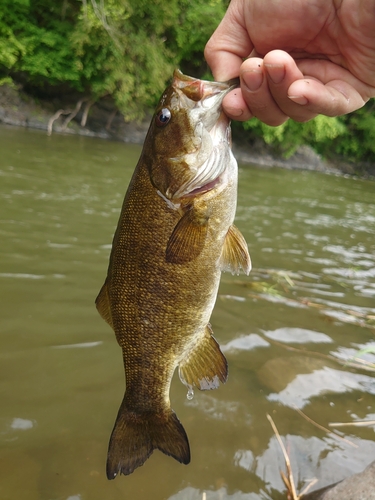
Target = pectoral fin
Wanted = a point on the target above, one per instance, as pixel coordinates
(235, 254)
(103, 305)
(206, 366)
(188, 237)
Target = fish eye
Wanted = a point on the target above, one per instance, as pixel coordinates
(163, 117)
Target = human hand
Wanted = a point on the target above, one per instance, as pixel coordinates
(306, 58)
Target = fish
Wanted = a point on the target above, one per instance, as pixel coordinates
(174, 237)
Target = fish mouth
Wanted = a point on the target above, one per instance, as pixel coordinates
(198, 90)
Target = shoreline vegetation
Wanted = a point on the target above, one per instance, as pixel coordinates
(103, 120)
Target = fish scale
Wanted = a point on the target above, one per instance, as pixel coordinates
(174, 237)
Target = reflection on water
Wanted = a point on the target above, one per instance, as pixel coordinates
(292, 332)
(324, 381)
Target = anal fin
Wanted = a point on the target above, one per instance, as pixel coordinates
(235, 254)
(206, 366)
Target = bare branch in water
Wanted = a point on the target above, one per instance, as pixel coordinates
(73, 113)
(86, 112)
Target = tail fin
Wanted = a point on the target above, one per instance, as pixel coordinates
(135, 436)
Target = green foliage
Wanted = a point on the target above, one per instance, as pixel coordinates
(121, 52)
(352, 136)
(36, 43)
(11, 49)
(319, 133)
(7, 80)
(197, 20)
(121, 48)
(358, 141)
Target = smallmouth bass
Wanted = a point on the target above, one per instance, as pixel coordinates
(174, 237)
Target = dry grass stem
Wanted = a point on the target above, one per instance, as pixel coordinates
(324, 428)
(359, 423)
(288, 480)
(308, 487)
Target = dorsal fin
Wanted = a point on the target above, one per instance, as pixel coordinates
(103, 305)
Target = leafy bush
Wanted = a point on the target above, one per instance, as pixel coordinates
(124, 49)
(358, 141)
(319, 133)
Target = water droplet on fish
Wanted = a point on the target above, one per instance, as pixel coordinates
(190, 394)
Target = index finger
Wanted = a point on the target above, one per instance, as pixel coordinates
(227, 47)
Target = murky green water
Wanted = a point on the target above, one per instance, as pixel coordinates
(309, 303)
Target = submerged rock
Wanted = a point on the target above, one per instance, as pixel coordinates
(277, 373)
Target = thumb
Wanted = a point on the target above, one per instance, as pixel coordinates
(227, 47)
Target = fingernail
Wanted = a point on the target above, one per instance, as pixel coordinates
(275, 72)
(253, 79)
(299, 99)
(234, 111)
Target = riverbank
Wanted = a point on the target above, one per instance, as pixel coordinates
(67, 114)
